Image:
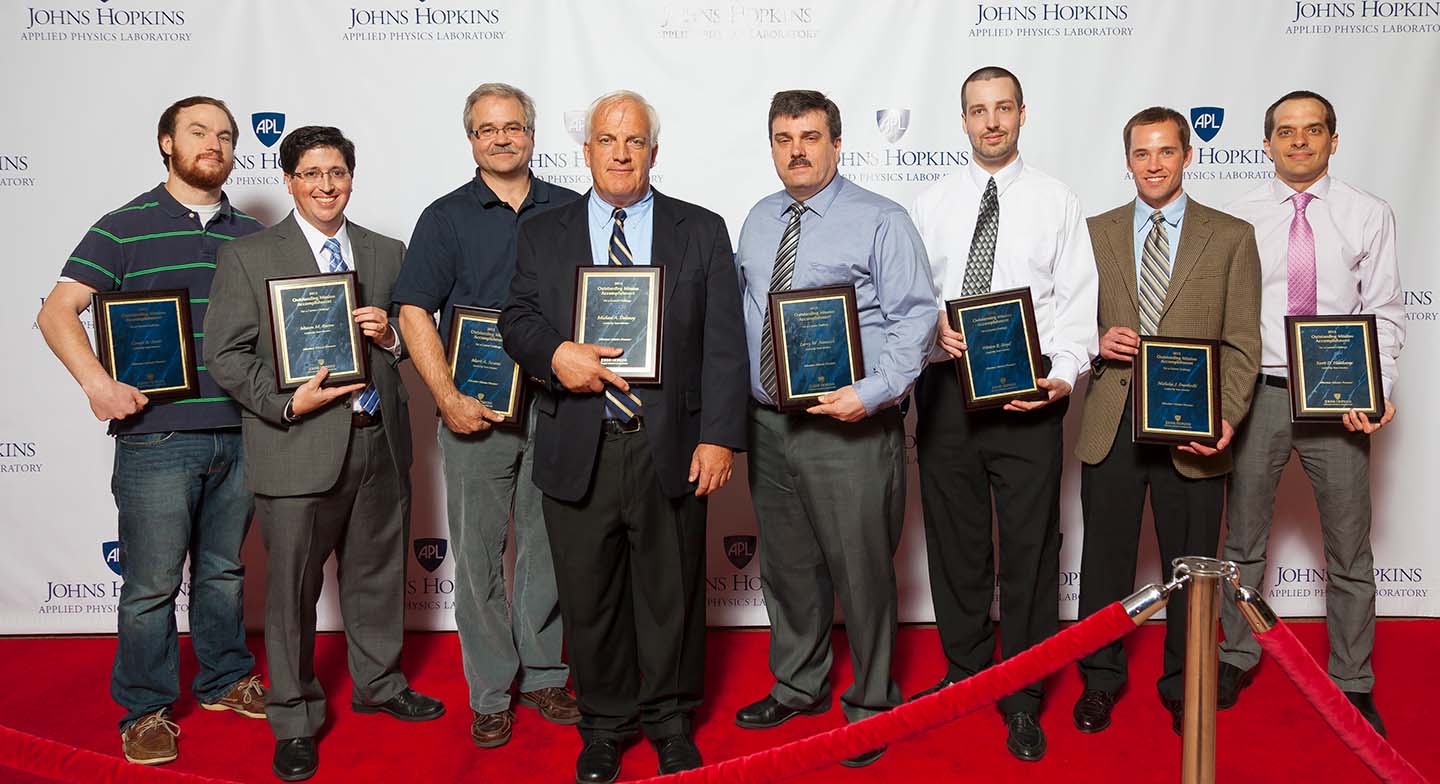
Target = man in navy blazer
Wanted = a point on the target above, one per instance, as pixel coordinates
(626, 469)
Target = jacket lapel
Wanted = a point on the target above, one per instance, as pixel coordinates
(1194, 236)
(1122, 252)
(668, 243)
(362, 244)
(296, 256)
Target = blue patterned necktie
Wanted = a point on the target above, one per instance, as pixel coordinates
(623, 406)
(370, 397)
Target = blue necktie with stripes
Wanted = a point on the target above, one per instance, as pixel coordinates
(370, 397)
(623, 406)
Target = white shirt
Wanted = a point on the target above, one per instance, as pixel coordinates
(204, 212)
(1042, 243)
(1356, 270)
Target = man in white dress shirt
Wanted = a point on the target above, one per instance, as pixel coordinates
(1326, 247)
(1000, 224)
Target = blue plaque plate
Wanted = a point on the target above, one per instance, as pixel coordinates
(620, 306)
(1002, 349)
(312, 327)
(479, 365)
(1334, 367)
(144, 340)
(816, 339)
(1177, 391)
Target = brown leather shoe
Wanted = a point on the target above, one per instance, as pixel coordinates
(555, 704)
(246, 697)
(489, 730)
(151, 740)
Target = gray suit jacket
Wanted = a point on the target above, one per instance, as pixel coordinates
(304, 457)
(1214, 293)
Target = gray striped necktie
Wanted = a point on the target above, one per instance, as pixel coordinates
(1154, 275)
(981, 264)
(779, 281)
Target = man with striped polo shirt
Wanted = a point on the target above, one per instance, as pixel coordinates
(178, 480)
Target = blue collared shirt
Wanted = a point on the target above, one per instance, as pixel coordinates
(639, 228)
(1173, 215)
(847, 235)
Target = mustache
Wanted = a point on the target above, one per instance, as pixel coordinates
(796, 163)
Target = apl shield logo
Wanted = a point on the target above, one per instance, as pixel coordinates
(111, 552)
(575, 125)
(893, 123)
(430, 553)
(1207, 121)
(739, 549)
(268, 127)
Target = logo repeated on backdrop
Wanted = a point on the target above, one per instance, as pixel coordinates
(15, 170)
(268, 127)
(430, 553)
(1395, 582)
(262, 167)
(422, 22)
(775, 21)
(1221, 161)
(109, 22)
(18, 457)
(893, 163)
(893, 123)
(1361, 17)
(738, 588)
(739, 549)
(89, 594)
(1206, 120)
(110, 551)
(1420, 305)
(1052, 20)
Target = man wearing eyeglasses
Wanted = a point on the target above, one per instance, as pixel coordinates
(331, 467)
(463, 253)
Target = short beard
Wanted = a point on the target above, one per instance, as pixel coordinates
(198, 178)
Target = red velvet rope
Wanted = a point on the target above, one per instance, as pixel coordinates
(924, 714)
(54, 760)
(1327, 700)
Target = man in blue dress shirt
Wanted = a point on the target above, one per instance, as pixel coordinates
(829, 482)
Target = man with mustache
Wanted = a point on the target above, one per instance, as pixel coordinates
(1326, 247)
(463, 253)
(1000, 224)
(626, 470)
(178, 479)
(1169, 266)
(828, 483)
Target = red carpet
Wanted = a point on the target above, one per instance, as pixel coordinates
(58, 688)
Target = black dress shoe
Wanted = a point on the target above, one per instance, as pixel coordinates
(295, 759)
(677, 753)
(1365, 703)
(1232, 680)
(1025, 740)
(599, 762)
(408, 705)
(861, 760)
(1177, 713)
(1092, 710)
(927, 692)
(770, 712)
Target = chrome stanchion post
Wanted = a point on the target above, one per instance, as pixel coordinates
(1202, 664)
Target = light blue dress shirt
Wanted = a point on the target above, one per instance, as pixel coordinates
(848, 235)
(639, 228)
(1173, 215)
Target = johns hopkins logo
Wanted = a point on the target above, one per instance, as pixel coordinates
(268, 127)
(893, 123)
(739, 549)
(575, 125)
(430, 553)
(111, 552)
(1206, 120)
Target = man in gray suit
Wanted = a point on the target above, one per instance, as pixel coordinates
(331, 467)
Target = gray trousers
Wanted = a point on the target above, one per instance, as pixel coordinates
(830, 502)
(487, 478)
(1338, 464)
(365, 520)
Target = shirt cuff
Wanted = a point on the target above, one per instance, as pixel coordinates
(394, 350)
(1063, 368)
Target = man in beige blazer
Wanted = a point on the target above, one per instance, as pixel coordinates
(1168, 266)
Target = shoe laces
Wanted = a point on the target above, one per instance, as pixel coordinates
(250, 690)
(157, 720)
(1020, 722)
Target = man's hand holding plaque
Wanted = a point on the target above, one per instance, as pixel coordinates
(1176, 395)
(1334, 365)
(998, 359)
(815, 334)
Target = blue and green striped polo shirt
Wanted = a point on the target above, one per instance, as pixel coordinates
(155, 242)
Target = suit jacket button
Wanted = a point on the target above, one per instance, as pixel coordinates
(1124, 381)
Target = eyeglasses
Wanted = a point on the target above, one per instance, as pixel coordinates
(313, 176)
(487, 132)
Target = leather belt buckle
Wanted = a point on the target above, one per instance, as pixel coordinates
(616, 427)
(1274, 381)
(360, 420)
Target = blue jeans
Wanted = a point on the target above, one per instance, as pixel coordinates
(179, 494)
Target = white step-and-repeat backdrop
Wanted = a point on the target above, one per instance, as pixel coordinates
(85, 80)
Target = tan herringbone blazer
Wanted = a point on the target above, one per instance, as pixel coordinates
(1214, 293)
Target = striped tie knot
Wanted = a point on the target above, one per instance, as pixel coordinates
(1301, 200)
(1156, 217)
(337, 261)
(619, 216)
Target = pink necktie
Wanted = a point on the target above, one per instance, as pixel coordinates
(1301, 266)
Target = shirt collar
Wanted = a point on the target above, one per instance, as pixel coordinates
(1003, 178)
(316, 238)
(539, 191)
(820, 202)
(175, 209)
(1282, 191)
(1172, 213)
(601, 211)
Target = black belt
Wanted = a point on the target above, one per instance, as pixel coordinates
(1273, 381)
(616, 427)
(360, 419)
